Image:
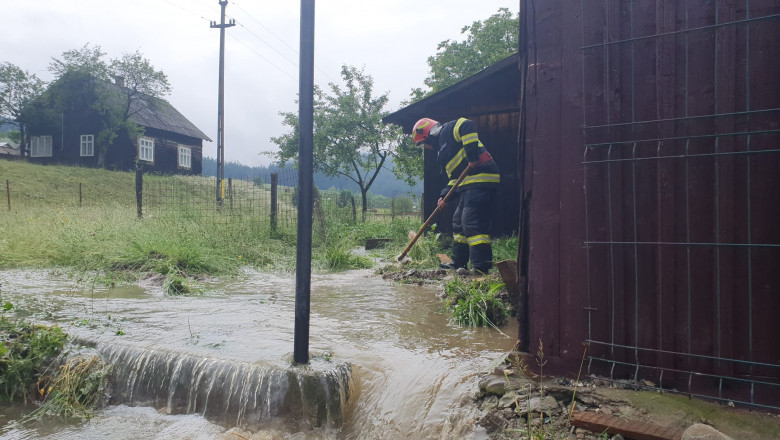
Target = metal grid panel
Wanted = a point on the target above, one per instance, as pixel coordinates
(681, 128)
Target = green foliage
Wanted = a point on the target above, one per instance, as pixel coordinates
(18, 88)
(345, 199)
(14, 136)
(505, 248)
(403, 204)
(339, 257)
(78, 388)
(486, 43)
(24, 349)
(81, 86)
(474, 302)
(350, 139)
(176, 284)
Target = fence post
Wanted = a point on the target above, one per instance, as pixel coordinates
(80, 198)
(354, 209)
(8, 192)
(274, 186)
(392, 209)
(139, 191)
(422, 206)
(230, 192)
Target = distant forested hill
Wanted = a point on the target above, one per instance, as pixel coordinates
(386, 183)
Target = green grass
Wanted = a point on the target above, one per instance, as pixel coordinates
(474, 303)
(24, 348)
(182, 233)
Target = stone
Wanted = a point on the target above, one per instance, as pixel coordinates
(508, 400)
(546, 404)
(699, 431)
(499, 385)
(490, 403)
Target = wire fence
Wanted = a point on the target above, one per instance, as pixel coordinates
(680, 179)
(260, 202)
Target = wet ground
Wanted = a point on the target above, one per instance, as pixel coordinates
(415, 373)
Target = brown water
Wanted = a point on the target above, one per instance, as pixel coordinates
(413, 372)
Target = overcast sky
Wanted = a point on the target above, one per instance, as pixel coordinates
(390, 39)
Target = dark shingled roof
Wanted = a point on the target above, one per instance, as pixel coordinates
(159, 114)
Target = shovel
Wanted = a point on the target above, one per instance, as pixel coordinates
(402, 258)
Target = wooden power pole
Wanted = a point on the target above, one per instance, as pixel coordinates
(221, 104)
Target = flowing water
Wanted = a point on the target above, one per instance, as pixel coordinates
(387, 363)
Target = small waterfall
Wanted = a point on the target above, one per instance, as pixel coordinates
(249, 396)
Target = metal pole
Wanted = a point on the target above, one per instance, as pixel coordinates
(80, 197)
(274, 203)
(305, 183)
(8, 192)
(221, 103)
(230, 192)
(139, 192)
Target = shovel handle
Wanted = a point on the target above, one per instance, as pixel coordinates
(439, 207)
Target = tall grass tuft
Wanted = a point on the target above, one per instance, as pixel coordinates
(23, 350)
(474, 302)
(78, 388)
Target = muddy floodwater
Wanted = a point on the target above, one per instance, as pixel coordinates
(412, 372)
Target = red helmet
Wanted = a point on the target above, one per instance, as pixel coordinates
(422, 129)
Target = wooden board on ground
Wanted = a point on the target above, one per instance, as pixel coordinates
(633, 429)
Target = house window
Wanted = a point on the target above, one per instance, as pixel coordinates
(185, 157)
(146, 149)
(87, 145)
(40, 146)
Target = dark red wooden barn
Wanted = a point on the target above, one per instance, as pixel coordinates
(647, 186)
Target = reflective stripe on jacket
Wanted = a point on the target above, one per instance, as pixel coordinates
(459, 144)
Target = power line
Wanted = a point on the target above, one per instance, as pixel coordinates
(295, 51)
(263, 57)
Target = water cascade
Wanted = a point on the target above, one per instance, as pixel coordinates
(250, 396)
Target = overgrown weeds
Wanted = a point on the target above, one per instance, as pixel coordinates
(24, 348)
(474, 302)
(78, 388)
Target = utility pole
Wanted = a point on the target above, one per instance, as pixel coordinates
(221, 104)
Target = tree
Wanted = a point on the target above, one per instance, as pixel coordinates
(349, 137)
(486, 43)
(83, 81)
(18, 88)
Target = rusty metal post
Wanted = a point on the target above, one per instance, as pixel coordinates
(8, 193)
(80, 196)
(274, 202)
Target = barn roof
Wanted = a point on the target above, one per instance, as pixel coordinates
(495, 89)
(159, 114)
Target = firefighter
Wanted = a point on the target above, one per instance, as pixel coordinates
(456, 145)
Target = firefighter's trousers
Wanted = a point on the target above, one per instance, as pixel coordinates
(471, 229)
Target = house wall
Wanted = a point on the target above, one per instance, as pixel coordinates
(166, 154)
(652, 161)
(66, 148)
